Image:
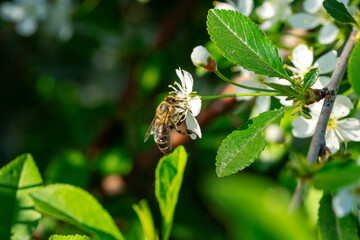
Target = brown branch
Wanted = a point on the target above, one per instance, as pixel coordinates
(318, 141)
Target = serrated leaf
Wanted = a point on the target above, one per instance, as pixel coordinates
(335, 175)
(168, 179)
(146, 219)
(243, 146)
(285, 90)
(332, 228)
(18, 218)
(338, 11)
(310, 78)
(68, 237)
(243, 43)
(76, 206)
(354, 70)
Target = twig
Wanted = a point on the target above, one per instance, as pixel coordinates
(318, 141)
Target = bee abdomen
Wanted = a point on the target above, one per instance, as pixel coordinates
(163, 141)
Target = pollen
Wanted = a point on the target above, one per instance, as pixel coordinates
(289, 57)
(170, 86)
(305, 105)
(175, 82)
(311, 48)
(285, 65)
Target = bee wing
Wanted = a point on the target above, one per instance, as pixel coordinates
(150, 129)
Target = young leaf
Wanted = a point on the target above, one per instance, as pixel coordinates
(76, 206)
(310, 78)
(146, 219)
(243, 146)
(168, 178)
(335, 175)
(284, 89)
(354, 70)
(332, 228)
(68, 237)
(18, 218)
(338, 11)
(243, 43)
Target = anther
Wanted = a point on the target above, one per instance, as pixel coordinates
(169, 86)
(289, 57)
(175, 82)
(311, 48)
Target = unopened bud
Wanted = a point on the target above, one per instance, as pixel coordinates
(201, 57)
(274, 134)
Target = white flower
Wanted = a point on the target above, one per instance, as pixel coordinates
(274, 134)
(346, 199)
(243, 6)
(200, 56)
(338, 129)
(273, 11)
(315, 15)
(25, 13)
(191, 105)
(59, 22)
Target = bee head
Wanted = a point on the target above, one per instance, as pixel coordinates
(171, 99)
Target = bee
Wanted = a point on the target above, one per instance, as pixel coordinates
(169, 115)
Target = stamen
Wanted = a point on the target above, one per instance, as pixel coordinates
(305, 105)
(311, 48)
(289, 57)
(175, 83)
(170, 86)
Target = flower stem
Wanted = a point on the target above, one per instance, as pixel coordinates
(238, 95)
(240, 85)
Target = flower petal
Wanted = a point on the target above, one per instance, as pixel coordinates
(303, 128)
(328, 33)
(332, 140)
(188, 82)
(312, 6)
(321, 82)
(304, 21)
(193, 125)
(225, 6)
(343, 203)
(302, 57)
(266, 25)
(286, 13)
(266, 10)
(11, 12)
(350, 129)
(327, 62)
(195, 105)
(245, 6)
(262, 103)
(26, 27)
(342, 107)
(181, 77)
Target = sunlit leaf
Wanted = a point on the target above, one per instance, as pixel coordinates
(146, 219)
(338, 11)
(354, 70)
(76, 206)
(18, 218)
(285, 90)
(332, 228)
(244, 145)
(310, 78)
(68, 237)
(168, 179)
(243, 43)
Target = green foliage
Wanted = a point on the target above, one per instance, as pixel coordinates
(252, 207)
(338, 11)
(114, 161)
(146, 219)
(310, 78)
(354, 70)
(245, 144)
(332, 228)
(72, 237)
(168, 179)
(18, 218)
(336, 174)
(243, 43)
(284, 90)
(73, 163)
(76, 206)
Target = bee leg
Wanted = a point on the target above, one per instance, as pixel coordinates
(182, 131)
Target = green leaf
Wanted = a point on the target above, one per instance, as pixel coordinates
(332, 228)
(243, 146)
(285, 90)
(146, 219)
(76, 206)
(338, 11)
(310, 78)
(335, 175)
(243, 43)
(68, 237)
(252, 207)
(18, 218)
(354, 70)
(168, 178)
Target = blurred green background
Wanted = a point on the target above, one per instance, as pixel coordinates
(81, 107)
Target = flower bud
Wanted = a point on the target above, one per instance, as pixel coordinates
(201, 57)
(274, 134)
